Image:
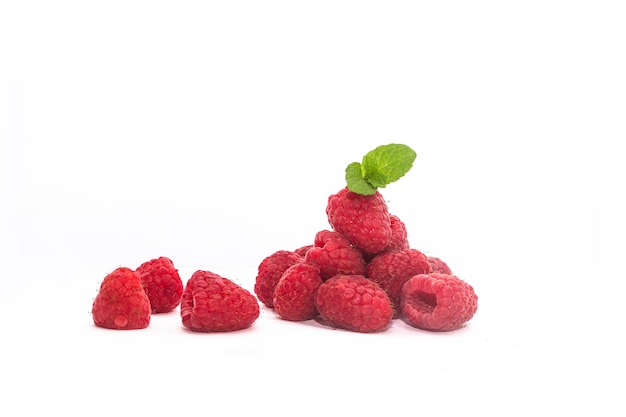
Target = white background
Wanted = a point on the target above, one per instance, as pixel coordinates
(214, 133)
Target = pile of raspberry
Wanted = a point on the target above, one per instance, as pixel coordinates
(362, 274)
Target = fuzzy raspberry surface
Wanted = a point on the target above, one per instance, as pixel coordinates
(355, 303)
(269, 272)
(294, 296)
(212, 303)
(363, 219)
(335, 255)
(439, 266)
(391, 270)
(438, 302)
(162, 284)
(121, 302)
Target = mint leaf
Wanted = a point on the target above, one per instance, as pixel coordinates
(356, 182)
(381, 166)
(387, 164)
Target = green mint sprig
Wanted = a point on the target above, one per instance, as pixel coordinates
(380, 166)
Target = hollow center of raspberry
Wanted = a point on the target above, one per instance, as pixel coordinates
(425, 302)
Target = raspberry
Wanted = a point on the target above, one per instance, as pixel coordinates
(439, 266)
(399, 239)
(212, 303)
(355, 303)
(335, 255)
(438, 302)
(162, 284)
(303, 250)
(294, 296)
(269, 272)
(363, 219)
(121, 302)
(391, 270)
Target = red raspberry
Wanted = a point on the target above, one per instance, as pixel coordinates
(212, 303)
(294, 296)
(391, 270)
(162, 284)
(121, 302)
(399, 239)
(355, 303)
(438, 302)
(303, 250)
(439, 266)
(335, 255)
(269, 272)
(362, 219)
